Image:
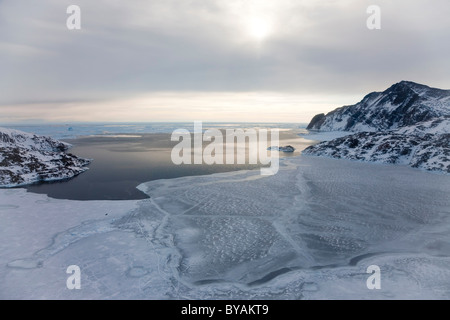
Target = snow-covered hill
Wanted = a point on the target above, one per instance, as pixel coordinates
(26, 158)
(403, 104)
(408, 124)
(416, 148)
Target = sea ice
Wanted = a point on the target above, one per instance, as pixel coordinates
(308, 232)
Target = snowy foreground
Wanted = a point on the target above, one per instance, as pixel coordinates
(309, 232)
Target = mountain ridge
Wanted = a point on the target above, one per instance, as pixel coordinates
(408, 124)
(402, 104)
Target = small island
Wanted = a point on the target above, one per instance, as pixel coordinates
(287, 148)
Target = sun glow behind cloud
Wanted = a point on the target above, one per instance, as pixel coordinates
(256, 18)
(236, 60)
(259, 28)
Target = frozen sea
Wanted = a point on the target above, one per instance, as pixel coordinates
(76, 130)
(308, 232)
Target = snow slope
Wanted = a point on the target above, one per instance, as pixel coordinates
(26, 158)
(408, 123)
(308, 232)
(403, 104)
(425, 145)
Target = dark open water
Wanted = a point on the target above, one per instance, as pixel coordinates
(122, 163)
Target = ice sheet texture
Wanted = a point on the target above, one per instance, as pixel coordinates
(309, 232)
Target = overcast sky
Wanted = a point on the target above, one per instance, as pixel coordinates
(212, 60)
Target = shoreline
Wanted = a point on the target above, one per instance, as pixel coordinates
(124, 161)
(229, 230)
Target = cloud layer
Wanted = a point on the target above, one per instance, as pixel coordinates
(128, 49)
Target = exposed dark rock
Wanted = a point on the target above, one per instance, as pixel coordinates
(416, 148)
(316, 121)
(27, 158)
(403, 104)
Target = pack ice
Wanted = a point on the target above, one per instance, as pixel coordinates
(308, 232)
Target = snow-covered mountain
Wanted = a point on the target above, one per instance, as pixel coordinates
(27, 158)
(408, 124)
(403, 104)
(426, 146)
